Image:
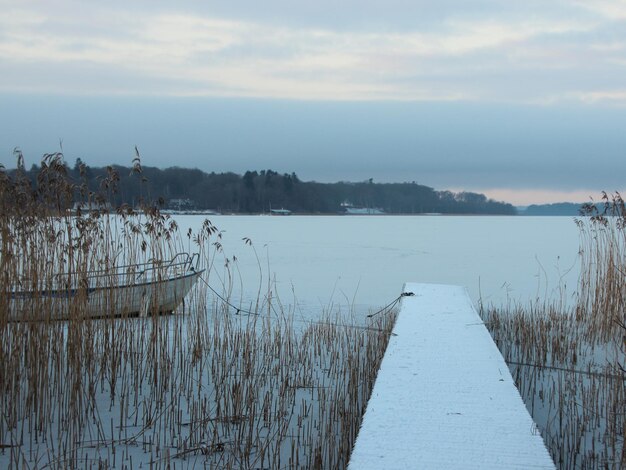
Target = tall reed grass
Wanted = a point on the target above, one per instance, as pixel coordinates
(568, 358)
(208, 386)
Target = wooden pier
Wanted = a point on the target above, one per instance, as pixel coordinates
(444, 397)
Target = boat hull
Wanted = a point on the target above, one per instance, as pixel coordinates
(146, 298)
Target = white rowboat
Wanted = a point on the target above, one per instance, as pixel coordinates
(139, 289)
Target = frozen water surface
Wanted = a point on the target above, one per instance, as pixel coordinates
(338, 260)
(326, 263)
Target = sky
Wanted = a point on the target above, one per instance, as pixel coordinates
(523, 101)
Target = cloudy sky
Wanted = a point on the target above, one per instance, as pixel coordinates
(525, 101)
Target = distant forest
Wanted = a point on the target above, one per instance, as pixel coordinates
(260, 191)
(561, 208)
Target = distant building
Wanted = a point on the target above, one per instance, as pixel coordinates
(349, 209)
(181, 204)
(91, 206)
(280, 212)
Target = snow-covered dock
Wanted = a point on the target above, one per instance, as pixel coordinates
(444, 397)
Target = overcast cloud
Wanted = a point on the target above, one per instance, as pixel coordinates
(483, 95)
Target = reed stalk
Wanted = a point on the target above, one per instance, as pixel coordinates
(204, 386)
(568, 357)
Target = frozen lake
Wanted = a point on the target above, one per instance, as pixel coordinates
(318, 264)
(331, 261)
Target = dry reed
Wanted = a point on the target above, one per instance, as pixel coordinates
(204, 386)
(568, 358)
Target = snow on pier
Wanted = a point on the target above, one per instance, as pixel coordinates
(444, 397)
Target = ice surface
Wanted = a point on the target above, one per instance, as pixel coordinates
(332, 260)
(444, 397)
(327, 261)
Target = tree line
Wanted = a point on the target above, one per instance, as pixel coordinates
(261, 191)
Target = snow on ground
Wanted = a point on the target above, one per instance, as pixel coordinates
(444, 397)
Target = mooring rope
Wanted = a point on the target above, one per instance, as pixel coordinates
(240, 310)
(388, 308)
(392, 304)
(565, 369)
